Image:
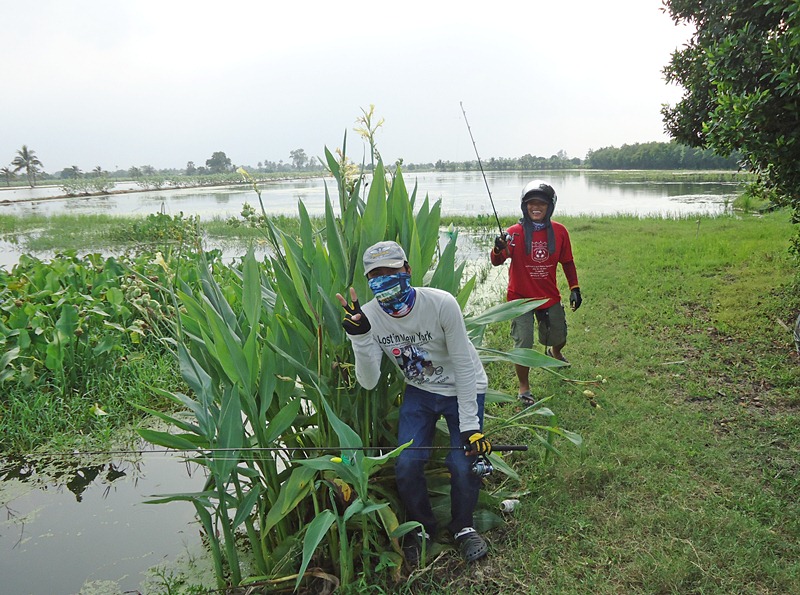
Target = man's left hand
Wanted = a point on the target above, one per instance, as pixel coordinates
(575, 298)
(475, 443)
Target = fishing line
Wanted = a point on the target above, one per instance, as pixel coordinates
(211, 451)
(480, 165)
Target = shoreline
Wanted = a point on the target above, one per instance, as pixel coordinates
(7, 201)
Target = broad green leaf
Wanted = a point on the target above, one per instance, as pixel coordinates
(334, 242)
(8, 357)
(282, 421)
(106, 344)
(202, 498)
(246, 505)
(115, 296)
(230, 434)
(363, 509)
(292, 492)
(500, 465)
(67, 322)
(315, 532)
(167, 440)
(251, 289)
(524, 357)
(298, 283)
(178, 423)
(229, 349)
(406, 527)
(502, 312)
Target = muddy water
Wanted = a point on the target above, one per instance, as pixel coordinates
(67, 524)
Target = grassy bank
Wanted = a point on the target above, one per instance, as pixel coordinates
(688, 481)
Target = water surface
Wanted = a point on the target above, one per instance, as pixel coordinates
(461, 193)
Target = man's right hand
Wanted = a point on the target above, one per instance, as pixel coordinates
(500, 243)
(355, 321)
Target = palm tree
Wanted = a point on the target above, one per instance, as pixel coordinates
(97, 171)
(26, 159)
(8, 174)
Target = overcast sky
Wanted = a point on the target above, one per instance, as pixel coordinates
(161, 83)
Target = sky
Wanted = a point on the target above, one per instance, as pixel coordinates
(162, 83)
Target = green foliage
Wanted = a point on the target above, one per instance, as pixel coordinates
(159, 231)
(76, 331)
(659, 156)
(742, 86)
(70, 314)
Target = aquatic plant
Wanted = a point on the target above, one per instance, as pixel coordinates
(296, 450)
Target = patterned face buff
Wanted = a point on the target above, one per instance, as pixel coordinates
(394, 293)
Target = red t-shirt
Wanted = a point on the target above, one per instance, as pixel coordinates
(534, 275)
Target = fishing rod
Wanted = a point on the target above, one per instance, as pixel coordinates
(480, 165)
(203, 451)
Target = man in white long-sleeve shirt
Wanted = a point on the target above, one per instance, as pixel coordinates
(422, 330)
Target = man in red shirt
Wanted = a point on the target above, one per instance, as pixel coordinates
(536, 245)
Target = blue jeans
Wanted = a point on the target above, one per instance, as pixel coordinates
(418, 416)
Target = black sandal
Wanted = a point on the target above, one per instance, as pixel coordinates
(471, 545)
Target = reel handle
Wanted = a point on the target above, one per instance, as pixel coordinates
(508, 447)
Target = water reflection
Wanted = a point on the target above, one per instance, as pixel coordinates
(75, 476)
(84, 520)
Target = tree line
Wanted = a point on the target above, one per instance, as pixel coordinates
(28, 162)
(671, 155)
(654, 155)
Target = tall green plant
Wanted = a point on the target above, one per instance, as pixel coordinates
(271, 375)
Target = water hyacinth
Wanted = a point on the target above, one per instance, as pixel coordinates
(268, 365)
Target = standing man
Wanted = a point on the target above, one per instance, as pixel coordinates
(421, 330)
(535, 246)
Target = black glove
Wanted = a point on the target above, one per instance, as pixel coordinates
(501, 243)
(355, 327)
(575, 298)
(475, 443)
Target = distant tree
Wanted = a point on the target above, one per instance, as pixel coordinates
(98, 171)
(135, 172)
(76, 171)
(741, 86)
(26, 159)
(190, 168)
(148, 170)
(219, 163)
(69, 173)
(8, 174)
(299, 158)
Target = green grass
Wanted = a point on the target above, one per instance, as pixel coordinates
(43, 420)
(688, 480)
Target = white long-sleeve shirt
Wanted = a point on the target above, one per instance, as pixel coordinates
(430, 346)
